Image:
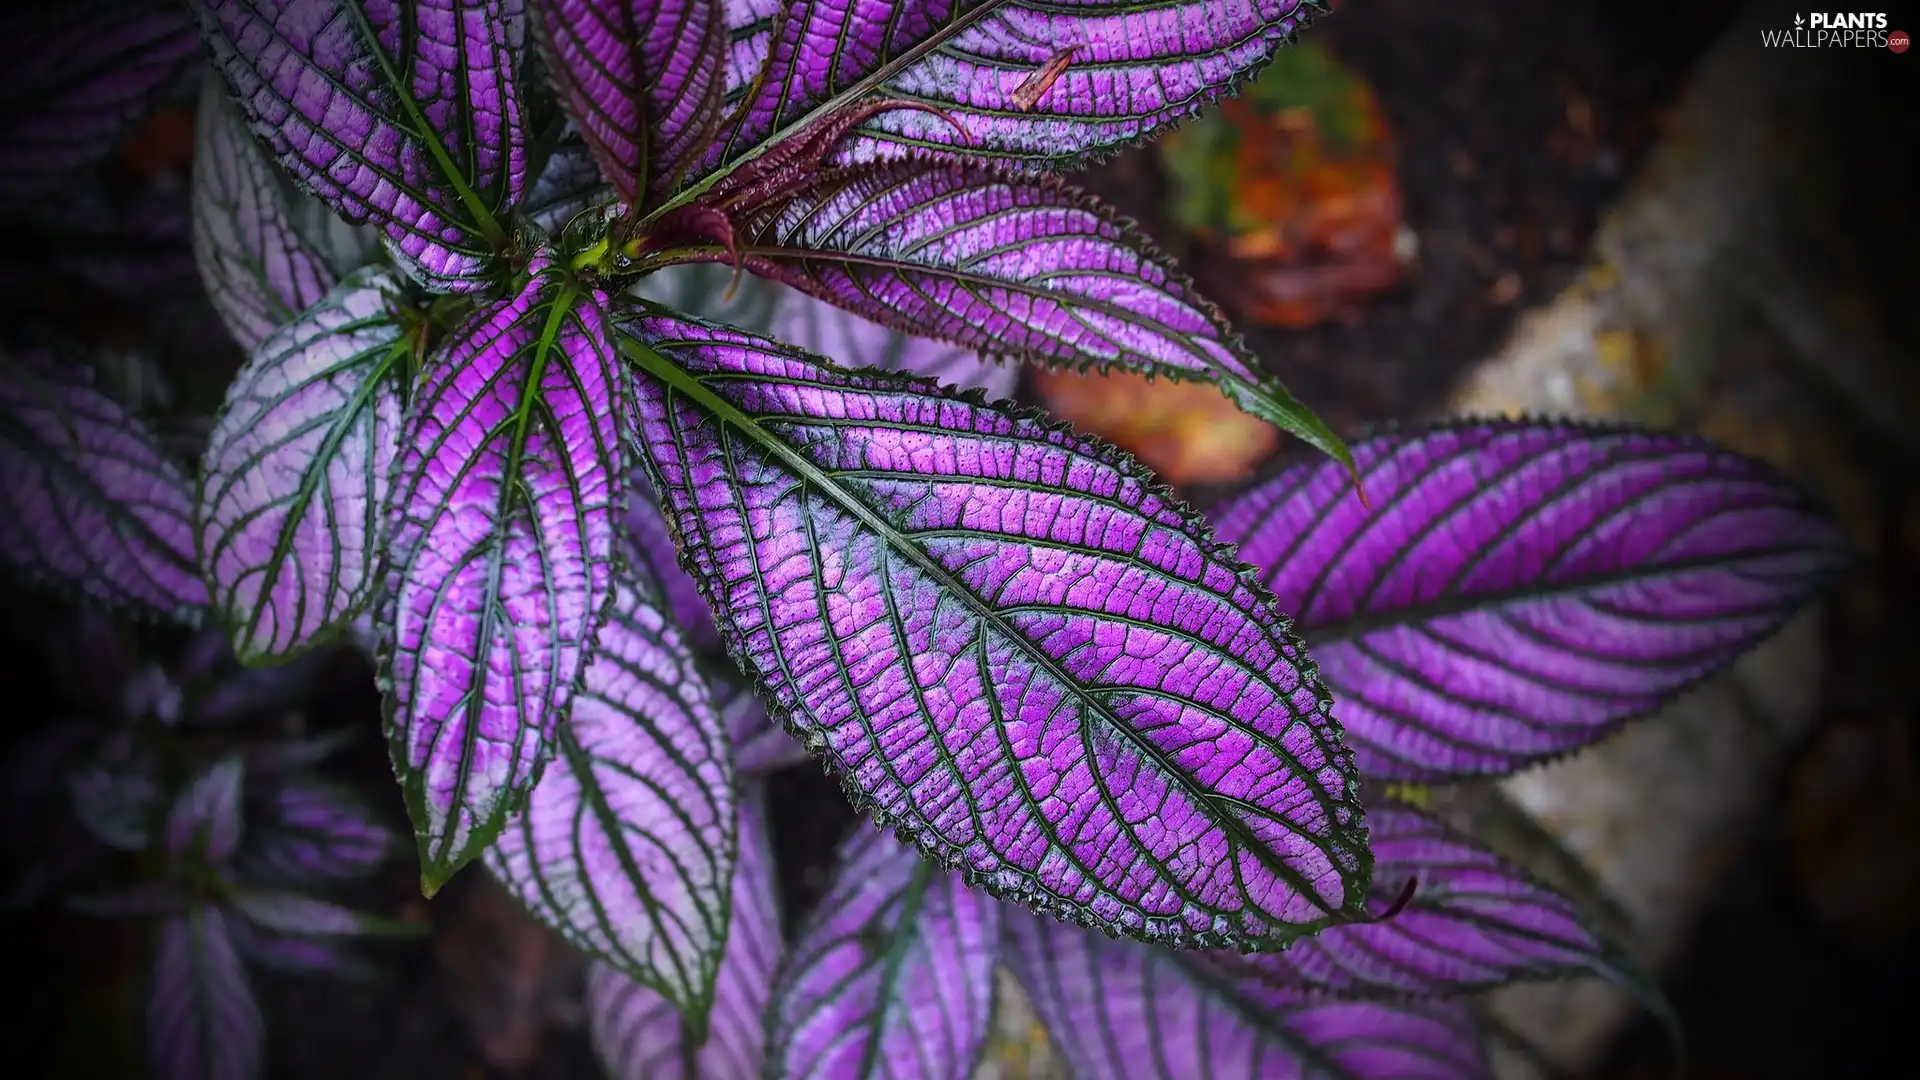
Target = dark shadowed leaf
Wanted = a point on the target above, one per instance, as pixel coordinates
(205, 822)
(295, 476)
(308, 834)
(117, 799)
(659, 558)
(303, 916)
(642, 81)
(1006, 640)
(1475, 921)
(639, 1035)
(1519, 589)
(202, 1020)
(398, 112)
(569, 182)
(1132, 69)
(1014, 268)
(626, 846)
(500, 565)
(1120, 1010)
(89, 501)
(758, 743)
(75, 78)
(893, 975)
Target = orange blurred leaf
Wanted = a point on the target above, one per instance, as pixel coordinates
(1188, 433)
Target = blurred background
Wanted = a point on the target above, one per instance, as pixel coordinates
(1610, 209)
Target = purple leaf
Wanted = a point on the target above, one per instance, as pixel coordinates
(88, 499)
(642, 79)
(639, 1035)
(1134, 69)
(311, 834)
(205, 821)
(118, 802)
(659, 555)
(625, 847)
(259, 270)
(291, 913)
(296, 471)
(202, 1020)
(1519, 589)
(1015, 268)
(759, 746)
(893, 975)
(1007, 641)
(419, 133)
(75, 78)
(569, 182)
(1120, 1010)
(299, 956)
(1474, 922)
(501, 558)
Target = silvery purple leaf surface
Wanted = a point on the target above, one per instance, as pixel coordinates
(205, 821)
(1132, 68)
(1519, 589)
(202, 1020)
(1007, 641)
(1120, 1010)
(75, 79)
(626, 847)
(642, 81)
(504, 511)
(295, 477)
(303, 916)
(259, 270)
(891, 977)
(89, 501)
(639, 1035)
(307, 833)
(1013, 268)
(1475, 921)
(399, 113)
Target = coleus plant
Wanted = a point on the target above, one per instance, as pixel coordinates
(1040, 668)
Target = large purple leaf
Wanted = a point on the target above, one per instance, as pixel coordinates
(309, 834)
(1474, 922)
(501, 558)
(1007, 640)
(202, 1020)
(639, 1035)
(1014, 268)
(259, 270)
(892, 976)
(1120, 1010)
(74, 80)
(642, 79)
(89, 500)
(294, 486)
(1135, 67)
(1518, 589)
(626, 846)
(399, 112)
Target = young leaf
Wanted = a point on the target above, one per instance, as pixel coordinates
(626, 846)
(259, 270)
(295, 475)
(89, 500)
(893, 975)
(399, 113)
(1014, 268)
(202, 1020)
(659, 557)
(74, 80)
(1519, 589)
(1474, 922)
(1008, 642)
(310, 834)
(501, 558)
(205, 821)
(1134, 68)
(639, 1035)
(1125, 1011)
(642, 80)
